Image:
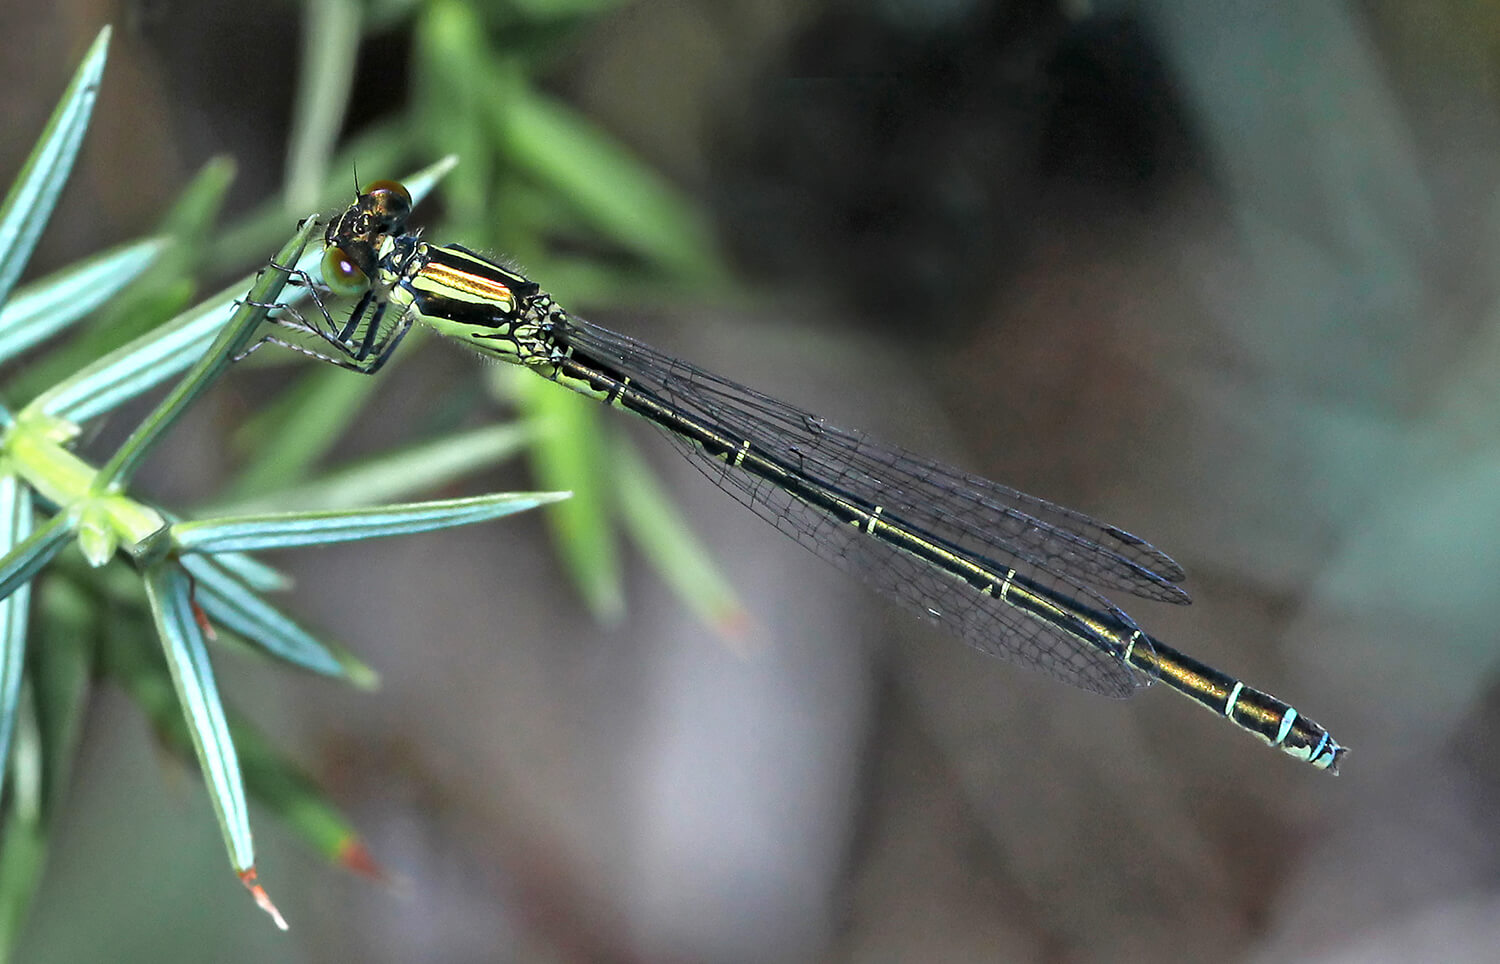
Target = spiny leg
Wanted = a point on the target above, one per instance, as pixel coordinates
(342, 362)
(368, 357)
(388, 347)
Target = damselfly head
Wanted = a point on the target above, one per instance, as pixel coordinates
(381, 209)
(354, 237)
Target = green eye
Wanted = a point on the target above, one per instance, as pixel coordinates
(341, 274)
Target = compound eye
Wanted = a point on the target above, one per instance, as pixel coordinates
(341, 275)
(389, 202)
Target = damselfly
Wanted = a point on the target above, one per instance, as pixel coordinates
(1012, 574)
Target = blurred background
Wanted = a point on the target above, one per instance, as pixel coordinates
(1221, 274)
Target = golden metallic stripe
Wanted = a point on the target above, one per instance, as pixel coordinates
(452, 282)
